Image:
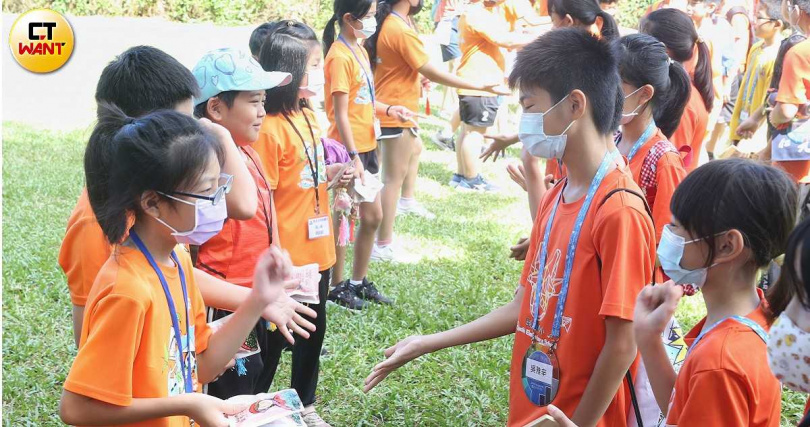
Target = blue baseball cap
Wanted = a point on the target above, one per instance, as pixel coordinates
(228, 69)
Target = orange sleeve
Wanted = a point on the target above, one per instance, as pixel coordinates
(202, 332)
(486, 28)
(670, 172)
(411, 49)
(623, 237)
(793, 86)
(269, 151)
(340, 73)
(82, 254)
(103, 367)
(709, 391)
(686, 129)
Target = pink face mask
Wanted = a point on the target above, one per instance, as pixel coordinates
(209, 218)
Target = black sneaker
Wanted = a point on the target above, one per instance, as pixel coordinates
(369, 292)
(345, 295)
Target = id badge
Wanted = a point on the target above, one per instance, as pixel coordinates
(743, 116)
(377, 129)
(318, 227)
(540, 375)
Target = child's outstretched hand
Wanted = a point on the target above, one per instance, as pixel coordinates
(655, 306)
(269, 284)
(209, 411)
(401, 353)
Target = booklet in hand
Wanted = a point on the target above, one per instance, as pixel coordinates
(282, 408)
(368, 191)
(308, 280)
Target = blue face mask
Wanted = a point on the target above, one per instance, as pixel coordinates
(670, 252)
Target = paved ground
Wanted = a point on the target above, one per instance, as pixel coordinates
(64, 99)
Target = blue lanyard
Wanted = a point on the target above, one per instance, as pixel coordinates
(648, 133)
(572, 246)
(187, 374)
(400, 17)
(365, 73)
(744, 320)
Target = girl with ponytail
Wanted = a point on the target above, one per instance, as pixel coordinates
(656, 90)
(585, 14)
(677, 31)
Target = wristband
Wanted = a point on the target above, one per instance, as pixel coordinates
(387, 111)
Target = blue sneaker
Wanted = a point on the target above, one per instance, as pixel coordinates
(456, 180)
(478, 184)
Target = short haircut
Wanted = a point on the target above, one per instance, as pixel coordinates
(144, 79)
(227, 97)
(258, 36)
(569, 58)
(773, 9)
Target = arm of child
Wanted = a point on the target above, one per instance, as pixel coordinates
(442, 77)
(75, 409)
(276, 239)
(614, 360)
(268, 286)
(242, 201)
(792, 92)
(497, 323)
(344, 127)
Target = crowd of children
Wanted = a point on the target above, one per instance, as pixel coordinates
(213, 193)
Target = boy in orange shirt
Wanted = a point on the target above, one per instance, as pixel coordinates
(592, 246)
(730, 218)
(141, 80)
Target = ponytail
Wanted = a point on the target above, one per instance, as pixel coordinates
(383, 10)
(163, 151)
(586, 12)
(670, 109)
(356, 8)
(675, 29)
(610, 30)
(703, 74)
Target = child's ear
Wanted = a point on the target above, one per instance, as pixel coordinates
(213, 109)
(149, 203)
(647, 93)
(578, 104)
(348, 18)
(728, 246)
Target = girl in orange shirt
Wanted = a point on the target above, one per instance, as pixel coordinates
(145, 345)
(676, 30)
(353, 112)
(398, 57)
(729, 219)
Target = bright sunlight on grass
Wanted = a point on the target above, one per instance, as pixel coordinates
(463, 273)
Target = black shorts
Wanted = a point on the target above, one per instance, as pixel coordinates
(391, 133)
(478, 110)
(370, 161)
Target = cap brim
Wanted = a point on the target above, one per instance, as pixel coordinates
(271, 79)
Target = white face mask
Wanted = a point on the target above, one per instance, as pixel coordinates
(369, 28)
(315, 84)
(532, 133)
(627, 118)
(670, 252)
(789, 354)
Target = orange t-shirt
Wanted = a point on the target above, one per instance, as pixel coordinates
(615, 257)
(725, 380)
(515, 10)
(541, 7)
(345, 75)
(669, 172)
(692, 130)
(84, 250)
(288, 170)
(400, 55)
(481, 59)
(555, 169)
(127, 347)
(233, 253)
(794, 88)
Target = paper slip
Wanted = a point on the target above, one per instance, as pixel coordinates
(282, 408)
(367, 192)
(249, 347)
(336, 179)
(308, 279)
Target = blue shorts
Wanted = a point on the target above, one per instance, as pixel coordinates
(452, 51)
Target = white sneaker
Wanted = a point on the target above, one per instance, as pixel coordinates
(414, 208)
(382, 253)
(312, 419)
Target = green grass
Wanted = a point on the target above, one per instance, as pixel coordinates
(464, 273)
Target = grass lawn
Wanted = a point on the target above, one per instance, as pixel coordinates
(463, 273)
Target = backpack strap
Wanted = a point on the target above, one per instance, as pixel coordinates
(627, 190)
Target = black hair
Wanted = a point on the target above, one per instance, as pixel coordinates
(738, 194)
(644, 61)
(288, 54)
(586, 12)
(228, 97)
(773, 10)
(677, 31)
(570, 58)
(789, 284)
(356, 8)
(163, 151)
(145, 79)
(383, 11)
(258, 36)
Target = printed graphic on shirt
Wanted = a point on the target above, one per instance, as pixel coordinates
(363, 93)
(172, 362)
(551, 286)
(306, 173)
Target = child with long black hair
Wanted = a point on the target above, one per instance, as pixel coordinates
(145, 345)
(677, 31)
